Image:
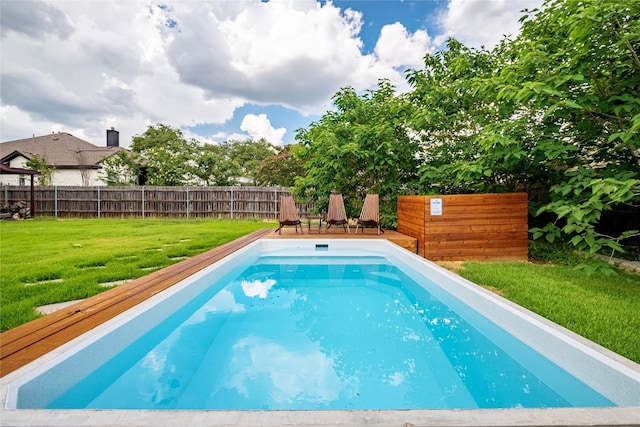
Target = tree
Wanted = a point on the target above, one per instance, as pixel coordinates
(471, 141)
(281, 168)
(214, 165)
(249, 155)
(39, 163)
(577, 63)
(165, 156)
(363, 146)
(120, 169)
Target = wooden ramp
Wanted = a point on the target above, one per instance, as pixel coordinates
(23, 344)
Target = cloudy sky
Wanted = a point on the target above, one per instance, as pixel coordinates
(218, 69)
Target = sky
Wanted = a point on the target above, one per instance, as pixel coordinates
(221, 69)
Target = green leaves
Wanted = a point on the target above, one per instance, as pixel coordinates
(120, 169)
(39, 163)
(579, 204)
(362, 147)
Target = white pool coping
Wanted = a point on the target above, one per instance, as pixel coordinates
(605, 369)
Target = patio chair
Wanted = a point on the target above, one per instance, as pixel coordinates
(336, 214)
(288, 214)
(370, 215)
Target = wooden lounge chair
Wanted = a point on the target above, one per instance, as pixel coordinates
(336, 214)
(370, 215)
(288, 214)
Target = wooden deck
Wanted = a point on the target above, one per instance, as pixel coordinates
(23, 344)
(337, 232)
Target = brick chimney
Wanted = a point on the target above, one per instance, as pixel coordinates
(113, 138)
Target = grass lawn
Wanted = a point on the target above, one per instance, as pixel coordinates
(604, 308)
(45, 261)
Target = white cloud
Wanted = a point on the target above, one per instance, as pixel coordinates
(33, 19)
(109, 70)
(259, 126)
(478, 23)
(288, 52)
(399, 48)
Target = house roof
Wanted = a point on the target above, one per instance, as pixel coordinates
(4, 169)
(62, 150)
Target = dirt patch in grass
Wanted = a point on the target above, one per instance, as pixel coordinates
(495, 290)
(454, 266)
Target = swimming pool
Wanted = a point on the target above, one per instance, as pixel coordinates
(324, 368)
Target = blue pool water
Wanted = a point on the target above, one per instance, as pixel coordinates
(326, 333)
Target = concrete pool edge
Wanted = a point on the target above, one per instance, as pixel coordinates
(629, 416)
(616, 416)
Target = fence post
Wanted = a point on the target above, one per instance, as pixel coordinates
(55, 200)
(98, 201)
(275, 194)
(232, 202)
(187, 202)
(143, 201)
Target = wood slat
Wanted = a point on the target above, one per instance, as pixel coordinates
(473, 245)
(500, 199)
(486, 253)
(478, 227)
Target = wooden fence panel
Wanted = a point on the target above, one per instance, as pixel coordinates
(467, 226)
(120, 202)
(153, 202)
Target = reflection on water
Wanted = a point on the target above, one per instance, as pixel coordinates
(288, 375)
(294, 335)
(257, 288)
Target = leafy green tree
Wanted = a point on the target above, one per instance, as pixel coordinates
(214, 165)
(39, 163)
(471, 141)
(281, 168)
(165, 156)
(249, 155)
(577, 63)
(363, 146)
(119, 169)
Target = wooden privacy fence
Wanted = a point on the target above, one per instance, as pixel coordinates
(148, 202)
(467, 226)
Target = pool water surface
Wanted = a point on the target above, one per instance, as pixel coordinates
(323, 333)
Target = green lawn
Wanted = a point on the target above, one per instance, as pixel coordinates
(46, 261)
(604, 308)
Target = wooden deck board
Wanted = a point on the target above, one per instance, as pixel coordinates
(23, 344)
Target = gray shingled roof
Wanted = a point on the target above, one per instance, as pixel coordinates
(61, 150)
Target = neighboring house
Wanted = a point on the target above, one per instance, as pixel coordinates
(76, 161)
